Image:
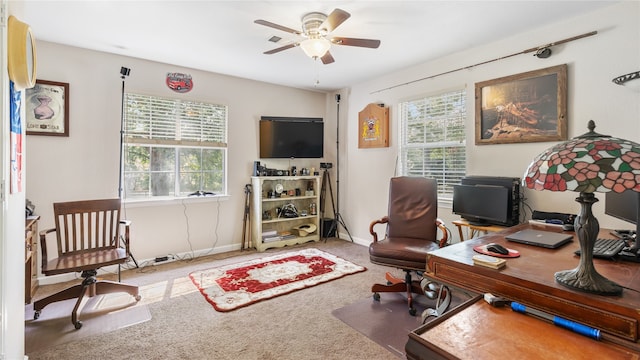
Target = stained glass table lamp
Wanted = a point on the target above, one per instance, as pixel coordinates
(587, 164)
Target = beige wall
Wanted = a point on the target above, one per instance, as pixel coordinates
(85, 164)
(592, 63)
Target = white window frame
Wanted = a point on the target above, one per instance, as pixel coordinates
(452, 137)
(160, 127)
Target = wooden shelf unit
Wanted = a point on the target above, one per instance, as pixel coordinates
(264, 216)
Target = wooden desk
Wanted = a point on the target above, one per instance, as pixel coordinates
(474, 230)
(478, 331)
(30, 257)
(530, 280)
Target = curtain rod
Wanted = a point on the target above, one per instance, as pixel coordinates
(492, 60)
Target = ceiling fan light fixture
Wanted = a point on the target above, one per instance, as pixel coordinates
(315, 47)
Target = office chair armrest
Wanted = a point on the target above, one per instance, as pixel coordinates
(445, 233)
(125, 234)
(383, 220)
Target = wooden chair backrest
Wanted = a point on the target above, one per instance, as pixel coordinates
(85, 226)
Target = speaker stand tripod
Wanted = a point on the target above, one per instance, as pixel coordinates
(337, 218)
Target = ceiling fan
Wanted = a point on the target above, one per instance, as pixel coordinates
(315, 28)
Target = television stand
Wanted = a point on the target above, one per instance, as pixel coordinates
(473, 229)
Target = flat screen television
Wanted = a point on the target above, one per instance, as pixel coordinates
(623, 206)
(481, 204)
(291, 137)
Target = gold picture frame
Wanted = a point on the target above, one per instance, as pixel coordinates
(526, 107)
(373, 126)
(47, 109)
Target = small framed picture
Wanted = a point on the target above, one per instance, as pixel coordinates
(47, 109)
(526, 107)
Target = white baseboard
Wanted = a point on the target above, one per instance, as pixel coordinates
(356, 240)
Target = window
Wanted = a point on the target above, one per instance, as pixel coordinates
(433, 140)
(173, 147)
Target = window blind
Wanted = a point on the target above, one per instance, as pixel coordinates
(155, 120)
(433, 141)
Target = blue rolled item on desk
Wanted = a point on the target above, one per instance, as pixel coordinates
(567, 324)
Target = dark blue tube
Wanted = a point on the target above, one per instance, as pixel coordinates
(567, 324)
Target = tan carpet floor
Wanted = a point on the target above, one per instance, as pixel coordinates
(183, 325)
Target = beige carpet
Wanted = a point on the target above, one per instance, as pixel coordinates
(99, 315)
(297, 326)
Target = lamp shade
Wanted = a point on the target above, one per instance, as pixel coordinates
(588, 163)
(315, 47)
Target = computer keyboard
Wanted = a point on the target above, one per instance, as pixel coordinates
(606, 248)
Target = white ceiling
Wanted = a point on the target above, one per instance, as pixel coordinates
(221, 36)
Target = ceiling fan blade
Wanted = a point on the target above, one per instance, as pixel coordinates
(368, 43)
(327, 58)
(337, 17)
(276, 26)
(288, 46)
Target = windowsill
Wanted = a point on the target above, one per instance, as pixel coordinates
(134, 203)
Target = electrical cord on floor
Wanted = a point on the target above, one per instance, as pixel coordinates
(215, 230)
(186, 220)
(145, 266)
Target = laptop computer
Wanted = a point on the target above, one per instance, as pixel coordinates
(546, 239)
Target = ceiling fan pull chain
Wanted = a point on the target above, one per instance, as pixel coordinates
(317, 65)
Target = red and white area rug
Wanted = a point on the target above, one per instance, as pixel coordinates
(233, 286)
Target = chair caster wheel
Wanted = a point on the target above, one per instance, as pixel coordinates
(78, 325)
(138, 297)
(36, 315)
(412, 311)
(376, 296)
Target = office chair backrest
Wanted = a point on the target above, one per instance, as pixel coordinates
(84, 226)
(413, 208)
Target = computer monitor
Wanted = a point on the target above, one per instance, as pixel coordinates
(624, 206)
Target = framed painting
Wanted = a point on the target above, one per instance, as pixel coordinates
(47, 109)
(526, 107)
(373, 126)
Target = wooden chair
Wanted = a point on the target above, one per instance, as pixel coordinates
(88, 238)
(411, 232)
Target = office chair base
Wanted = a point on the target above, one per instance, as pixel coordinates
(395, 284)
(91, 287)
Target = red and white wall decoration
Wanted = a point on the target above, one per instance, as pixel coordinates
(178, 82)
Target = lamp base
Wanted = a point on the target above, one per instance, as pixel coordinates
(588, 282)
(585, 277)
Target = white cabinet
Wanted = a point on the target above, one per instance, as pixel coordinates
(273, 224)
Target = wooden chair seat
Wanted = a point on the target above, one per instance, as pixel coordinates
(84, 261)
